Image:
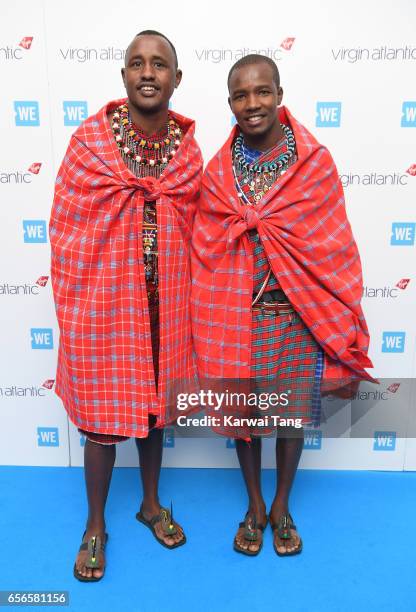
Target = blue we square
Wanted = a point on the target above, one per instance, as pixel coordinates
(384, 441)
(393, 342)
(48, 436)
(312, 439)
(75, 112)
(403, 234)
(34, 230)
(169, 437)
(26, 113)
(328, 114)
(408, 114)
(41, 338)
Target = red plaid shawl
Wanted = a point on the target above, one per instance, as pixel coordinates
(105, 372)
(308, 240)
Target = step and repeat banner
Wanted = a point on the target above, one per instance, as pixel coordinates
(347, 71)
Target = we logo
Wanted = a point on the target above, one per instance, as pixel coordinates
(48, 436)
(41, 338)
(408, 114)
(384, 441)
(393, 342)
(312, 439)
(26, 113)
(75, 112)
(168, 437)
(403, 234)
(34, 231)
(328, 114)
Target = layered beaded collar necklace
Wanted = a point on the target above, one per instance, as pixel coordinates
(144, 156)
(254, 179)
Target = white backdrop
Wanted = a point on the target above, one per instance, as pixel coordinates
(347, 70)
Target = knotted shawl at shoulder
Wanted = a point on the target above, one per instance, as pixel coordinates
(308, 240)
(105, 372)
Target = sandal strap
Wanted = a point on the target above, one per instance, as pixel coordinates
(250, 530)
(165, 517)
(284, 523)
(261, 527)
(84, 545)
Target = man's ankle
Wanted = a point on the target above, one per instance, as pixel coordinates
(258, 508)
(150, 506)
(96, 525)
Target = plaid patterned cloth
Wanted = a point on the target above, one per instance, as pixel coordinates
(153, 299)
(303, 226)
(105, 373)
(284, 356)
(285, 359)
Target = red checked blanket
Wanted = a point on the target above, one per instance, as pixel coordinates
(105, 373)
(308, 241)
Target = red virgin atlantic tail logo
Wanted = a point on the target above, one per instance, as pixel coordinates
(34, 168)
(402, 284)
(26, 42)
(412, 170)
(393, 387)
(287, 43)
(42, 281)
(49, 383)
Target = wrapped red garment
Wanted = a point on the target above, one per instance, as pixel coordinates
(105, 371)
(307, 238)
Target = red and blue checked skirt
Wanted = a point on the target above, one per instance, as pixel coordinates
(285, 359)
(153, 301)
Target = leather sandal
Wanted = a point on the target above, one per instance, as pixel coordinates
(95, 549)
(283, 527)
(165, 517)
(251, 535)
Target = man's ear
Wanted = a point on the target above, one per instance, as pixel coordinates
(178, 78)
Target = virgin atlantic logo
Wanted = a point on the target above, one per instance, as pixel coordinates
(42, 281)
(26, 42)
(402, 284)
(35, 168)
(412, 170)
(49, 383)
(393, 387)
(287, 43)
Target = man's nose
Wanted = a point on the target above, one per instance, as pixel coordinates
(252, 102)
(148, 71)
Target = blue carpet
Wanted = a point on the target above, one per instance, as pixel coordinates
(358, 530)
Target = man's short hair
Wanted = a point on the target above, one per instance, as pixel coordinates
(255, 58)
(155, 33)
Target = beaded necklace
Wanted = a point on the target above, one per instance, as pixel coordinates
(255, 179)
(144, 156)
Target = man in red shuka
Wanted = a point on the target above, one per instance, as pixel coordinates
(276, 285)
(120, 234)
